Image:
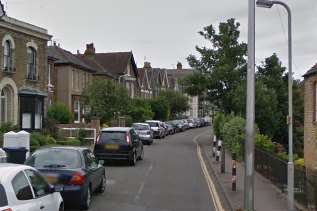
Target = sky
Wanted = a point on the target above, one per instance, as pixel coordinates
(164, 32)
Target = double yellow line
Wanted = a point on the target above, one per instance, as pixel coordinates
(212, 189)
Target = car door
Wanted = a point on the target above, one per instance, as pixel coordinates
(23, 199)
(48, 201)
(92, 168)
(136, 143)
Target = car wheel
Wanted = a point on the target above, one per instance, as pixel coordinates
(133, 159)
(142, 155)
(102, 187)
(61, 207)
(87, 200)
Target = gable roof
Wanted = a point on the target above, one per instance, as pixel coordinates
(115, 62)
(67, 58)
(312, 71)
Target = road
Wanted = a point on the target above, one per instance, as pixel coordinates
(170, 178)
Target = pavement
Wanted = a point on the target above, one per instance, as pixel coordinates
(170, 178)
(267, 196)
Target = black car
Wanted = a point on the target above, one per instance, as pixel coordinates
(75, 168)
(119, 143)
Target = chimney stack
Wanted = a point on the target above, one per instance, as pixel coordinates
(147, 65)
(90, 49)
(179, 66)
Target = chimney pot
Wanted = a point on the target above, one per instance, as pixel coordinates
(147, 65)
(179, 66)
(90, 49)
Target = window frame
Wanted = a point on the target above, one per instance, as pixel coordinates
(7, 56)
(31, 73)
(29, 185)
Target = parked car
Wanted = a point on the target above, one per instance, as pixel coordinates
(170, 128)
(157, 128)
(186, 125)
(23, 188)
(165, 129)
(191, 123)
(144, 132)
(76, 168)
(119, 143)
(178, 124)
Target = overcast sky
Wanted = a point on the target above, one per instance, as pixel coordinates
(165, 31)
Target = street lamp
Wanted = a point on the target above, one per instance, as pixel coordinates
(290, 174)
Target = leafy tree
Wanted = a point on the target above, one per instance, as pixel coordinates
(140, 110)
(60, 113)
(106, 99)
(194, 84)
(161, 109)
(178, 103)
(223, 63)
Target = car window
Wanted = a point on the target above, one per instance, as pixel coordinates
(21, 187)
(3, 197)
(91, 160)
(140, 127)
(153, 124)
(55, 158)
(39, 185)
(113, 137)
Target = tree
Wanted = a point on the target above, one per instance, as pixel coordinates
(194, 84)
(106, 100)
(60, 113)
(178, 103)
(161, 109)
(140, 110)
(223, 64)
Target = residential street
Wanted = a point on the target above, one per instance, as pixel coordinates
(170, 178)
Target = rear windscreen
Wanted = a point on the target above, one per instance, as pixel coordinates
(140, 127)
(153, 124)
(113, 137)
(55, 158)
(3, 197)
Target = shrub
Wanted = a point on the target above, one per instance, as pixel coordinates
(300, 162)
(264, 143)
(234, 135)
(69, 142)
(60, 113)
(38, 139)
(82, 134)
(7, 127)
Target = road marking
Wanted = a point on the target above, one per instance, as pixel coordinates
(138, 195)
(211, 186)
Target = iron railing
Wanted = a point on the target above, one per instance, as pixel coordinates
(275, 169)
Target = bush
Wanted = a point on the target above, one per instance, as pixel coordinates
(7, 127)
(234, 135)
(38, 140)
(300, 162)
(69, 142)
(60, 113)
(264, 143)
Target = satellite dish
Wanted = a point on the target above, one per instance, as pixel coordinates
(2, 12)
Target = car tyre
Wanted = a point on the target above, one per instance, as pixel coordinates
(102, 187)
(61, 207)
(133, 159)
(142, 155)
(87, 200)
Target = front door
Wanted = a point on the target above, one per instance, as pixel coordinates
(31, 112)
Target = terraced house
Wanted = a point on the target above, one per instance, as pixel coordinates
(23, 75)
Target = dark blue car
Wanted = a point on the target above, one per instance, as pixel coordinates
(75, 168)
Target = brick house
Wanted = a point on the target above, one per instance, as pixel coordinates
(23, 78)
(118, 66)
(69, 76)
(310, 115)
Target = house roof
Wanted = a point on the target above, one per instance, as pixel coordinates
(67, 58)
(115, 62)
(312, 71)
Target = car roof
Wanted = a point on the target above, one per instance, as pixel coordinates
(78, 148)
(145, 124)
(8, 169)
(153, 121)
(119, 129)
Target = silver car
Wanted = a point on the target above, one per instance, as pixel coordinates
(144, 132)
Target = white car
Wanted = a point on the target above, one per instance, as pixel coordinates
(22, 188)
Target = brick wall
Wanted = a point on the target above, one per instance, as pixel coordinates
(310, 152)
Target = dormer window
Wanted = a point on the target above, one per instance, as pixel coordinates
(7, 56)
(31, 64)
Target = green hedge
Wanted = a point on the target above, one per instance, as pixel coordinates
(69, 142)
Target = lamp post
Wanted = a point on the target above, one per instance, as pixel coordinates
(290, 169)
(250, 113)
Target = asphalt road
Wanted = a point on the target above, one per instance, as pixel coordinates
(169, 178)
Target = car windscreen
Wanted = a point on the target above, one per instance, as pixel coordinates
(153, 124)
(55, 158)
(140, 127)
(113, 137)
(3, 197)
